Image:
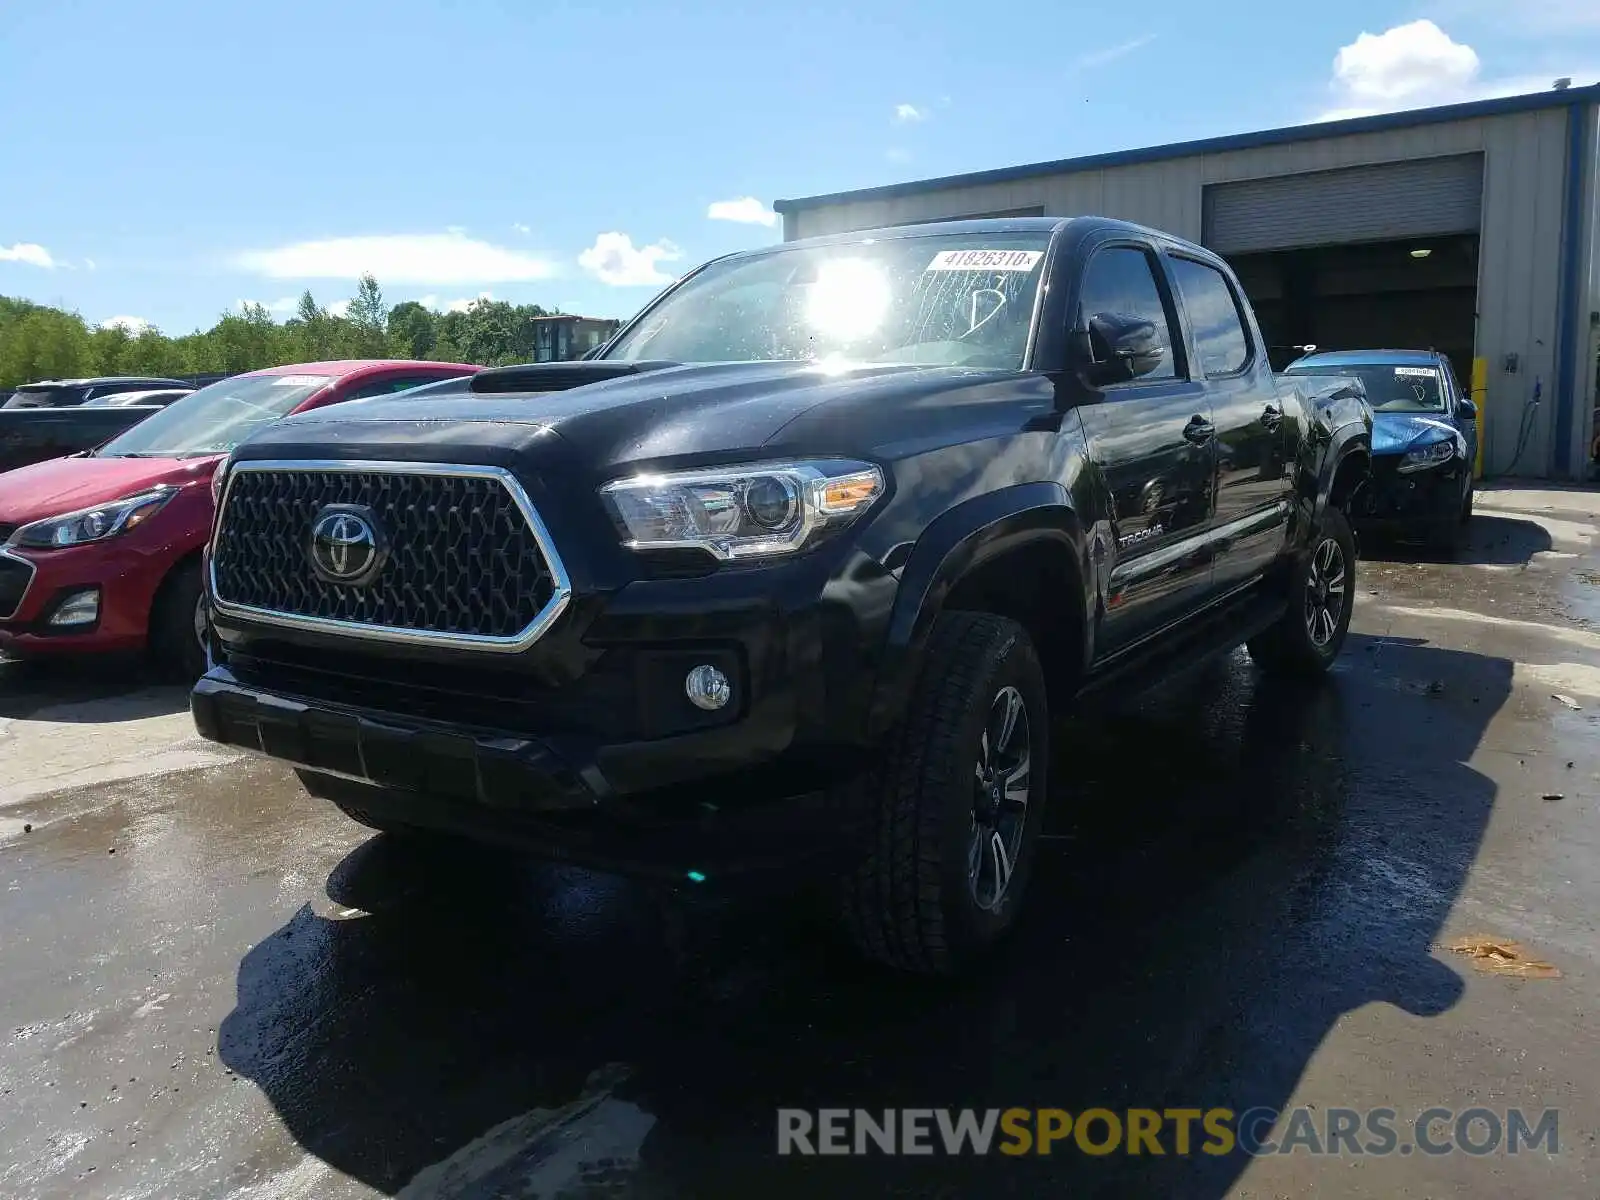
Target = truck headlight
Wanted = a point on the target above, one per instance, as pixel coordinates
(1431, 455)
(754, 511)
(93, 524)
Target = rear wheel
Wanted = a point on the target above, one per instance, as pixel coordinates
(952, 817)
(178, 625)
(1321, 600)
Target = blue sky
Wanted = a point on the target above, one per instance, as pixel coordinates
(166, 160)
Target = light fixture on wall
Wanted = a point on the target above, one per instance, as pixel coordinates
(1421, 252)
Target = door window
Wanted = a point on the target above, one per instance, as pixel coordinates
(1121, 280)
(385, 387)
(1213, 310)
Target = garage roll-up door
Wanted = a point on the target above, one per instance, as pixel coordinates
(1420, 198)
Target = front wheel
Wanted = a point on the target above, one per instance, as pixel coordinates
(1311, 632)
(178, 625)
(952, 817)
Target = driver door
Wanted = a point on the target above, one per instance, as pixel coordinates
(1152, 442)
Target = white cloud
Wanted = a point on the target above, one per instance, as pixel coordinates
(1418, 65)
(519, 227)
(461, 304)
(1100, 58)
(284, 305)
(906, 113)
(338, 308)
(132, 326)
(746, 210)
(1404, 63)
(440, 258)
(614, 259)
(31, 253)
(89, 262)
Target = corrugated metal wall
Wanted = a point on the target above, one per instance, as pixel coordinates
(1520, 250)
(1421, 197)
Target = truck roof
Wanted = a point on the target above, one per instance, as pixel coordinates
(972, 225)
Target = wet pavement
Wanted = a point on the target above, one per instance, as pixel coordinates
(212, 985)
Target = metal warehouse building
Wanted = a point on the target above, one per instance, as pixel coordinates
(1471, 229)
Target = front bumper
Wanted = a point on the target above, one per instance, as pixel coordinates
(655, 809)
(34, 585)
(1412, 502)
(584, 743)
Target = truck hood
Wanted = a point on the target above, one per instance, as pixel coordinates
(62, 485)
(1395, 433)
(672, 412)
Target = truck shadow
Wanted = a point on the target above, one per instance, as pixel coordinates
(1231, 866)
(87, 691)
(1492, 541)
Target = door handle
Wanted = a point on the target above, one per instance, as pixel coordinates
(1272, 416)
(1198, 430)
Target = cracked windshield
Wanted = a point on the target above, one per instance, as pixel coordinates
(959, 301)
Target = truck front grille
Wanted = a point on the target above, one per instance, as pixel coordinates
(466, 558)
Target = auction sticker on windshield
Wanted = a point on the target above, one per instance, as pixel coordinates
(297, 380)
(985, 260)
(1423, 372)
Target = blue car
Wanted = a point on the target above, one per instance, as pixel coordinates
(1424, 442)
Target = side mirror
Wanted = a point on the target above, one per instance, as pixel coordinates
(1117, 348)
(1466, 410)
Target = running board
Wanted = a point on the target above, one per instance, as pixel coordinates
(1219, 632)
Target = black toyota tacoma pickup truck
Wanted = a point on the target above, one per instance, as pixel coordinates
(797, 570)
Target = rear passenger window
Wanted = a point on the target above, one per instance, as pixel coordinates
(1214, 312)
(1121, 280)
(386, 387)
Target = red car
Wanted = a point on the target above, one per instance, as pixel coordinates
(100, 552)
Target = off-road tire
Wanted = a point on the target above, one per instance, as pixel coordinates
(1288, 648)
(176, 650)
(908, 903)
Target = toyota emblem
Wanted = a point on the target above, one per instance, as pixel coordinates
(347, 545)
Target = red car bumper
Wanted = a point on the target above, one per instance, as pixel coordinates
(126, 572)
(126, 589)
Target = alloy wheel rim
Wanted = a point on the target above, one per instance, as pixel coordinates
(200, 623)
(1325, 592)
(1002, 786)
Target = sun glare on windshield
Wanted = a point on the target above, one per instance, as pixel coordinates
(849, 300)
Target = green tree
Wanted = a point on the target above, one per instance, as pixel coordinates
(315, 335)
(44, 343)
(107, 346)
(39, 342)
(244, 341)
(413, 330)
(367, 320)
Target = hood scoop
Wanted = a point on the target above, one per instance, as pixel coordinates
(559, 376)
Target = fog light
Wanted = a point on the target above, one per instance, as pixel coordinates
(80, 608)
(707, 687)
